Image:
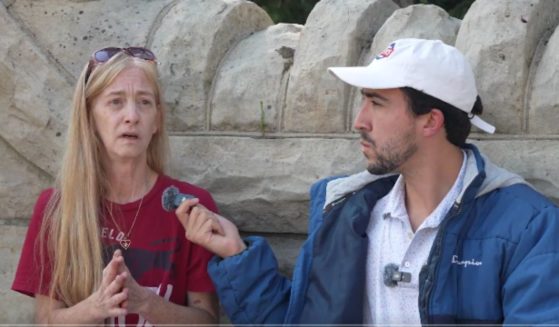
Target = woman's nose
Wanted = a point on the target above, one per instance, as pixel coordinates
(132, 114)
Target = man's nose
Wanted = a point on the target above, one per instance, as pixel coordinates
(362, 121)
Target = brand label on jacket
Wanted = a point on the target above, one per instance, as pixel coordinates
(465, 263)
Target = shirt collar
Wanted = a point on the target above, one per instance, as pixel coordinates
(396, 201)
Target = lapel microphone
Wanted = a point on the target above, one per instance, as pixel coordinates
(393, 275)
(172, 198)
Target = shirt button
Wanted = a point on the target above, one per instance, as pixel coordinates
(410, 235)
(407, 264)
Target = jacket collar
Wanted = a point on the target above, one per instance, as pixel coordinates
(481, 177)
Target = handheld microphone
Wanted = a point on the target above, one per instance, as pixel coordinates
(393, 275)
(172, 198)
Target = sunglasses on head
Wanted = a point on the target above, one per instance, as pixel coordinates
(103, 55)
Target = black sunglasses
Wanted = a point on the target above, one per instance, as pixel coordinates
(103, 55)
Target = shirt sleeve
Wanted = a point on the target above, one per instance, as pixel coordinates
(33, 275)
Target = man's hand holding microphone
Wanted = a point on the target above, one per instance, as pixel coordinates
(203, 227)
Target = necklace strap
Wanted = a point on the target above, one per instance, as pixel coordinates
(135, 217)
(125, 242)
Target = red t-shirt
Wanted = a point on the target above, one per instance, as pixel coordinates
(159, 256)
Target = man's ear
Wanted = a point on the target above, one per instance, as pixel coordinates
(434, 122)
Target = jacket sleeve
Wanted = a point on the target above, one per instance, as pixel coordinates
(531, 289)
(249, 286)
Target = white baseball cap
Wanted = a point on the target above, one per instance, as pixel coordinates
(429, 66)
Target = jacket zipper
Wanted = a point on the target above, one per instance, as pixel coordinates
(337, 201)
(456, 208)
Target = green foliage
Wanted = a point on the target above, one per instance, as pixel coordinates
(287, 11)
(296, 11)
(456, 8)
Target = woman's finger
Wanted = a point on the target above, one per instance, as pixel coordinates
(117, 284)
(111, 270)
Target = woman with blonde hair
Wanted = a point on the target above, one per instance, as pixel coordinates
(100, 248)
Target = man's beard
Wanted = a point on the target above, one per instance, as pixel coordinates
(392, 155)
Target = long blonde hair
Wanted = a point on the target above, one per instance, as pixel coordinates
(72, 220)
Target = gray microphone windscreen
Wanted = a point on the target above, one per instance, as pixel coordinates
(172, 198)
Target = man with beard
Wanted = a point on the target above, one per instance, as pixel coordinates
(431, 233)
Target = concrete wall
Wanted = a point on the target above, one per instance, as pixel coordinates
(253, 114)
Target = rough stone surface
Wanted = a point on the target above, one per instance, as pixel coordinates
(33, 98)
(191, 45)
(335, 33)
(500, 37)
(262, 184)
(71, 30)
(544, 102)
(250, 85)
(15, 308)
(21, 183)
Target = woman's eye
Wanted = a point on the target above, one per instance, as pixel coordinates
(115, 102)
(146, 102)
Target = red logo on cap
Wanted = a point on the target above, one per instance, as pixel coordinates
(387, 52)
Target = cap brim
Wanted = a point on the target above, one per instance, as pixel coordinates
(361, 77)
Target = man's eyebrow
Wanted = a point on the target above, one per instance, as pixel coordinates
(372, 94)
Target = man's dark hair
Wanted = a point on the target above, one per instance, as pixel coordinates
(456, 122)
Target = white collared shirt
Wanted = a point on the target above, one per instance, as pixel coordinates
(392, 240)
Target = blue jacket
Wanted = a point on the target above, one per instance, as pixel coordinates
(495, 258)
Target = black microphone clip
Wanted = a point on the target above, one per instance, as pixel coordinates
(172, 198)
(393, 275)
